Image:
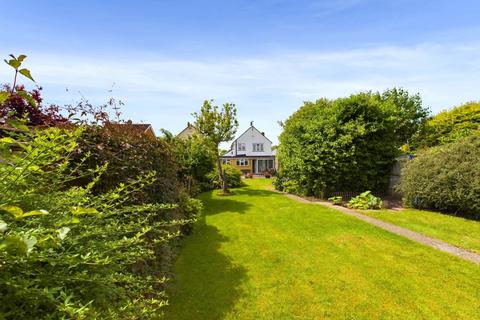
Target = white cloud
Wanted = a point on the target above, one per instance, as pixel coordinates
(166, 90)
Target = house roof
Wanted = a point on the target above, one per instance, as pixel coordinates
(142, 126)
(189, 126)
(251, 126)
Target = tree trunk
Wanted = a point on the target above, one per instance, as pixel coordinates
(221, 174)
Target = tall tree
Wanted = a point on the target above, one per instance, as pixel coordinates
(217, 125)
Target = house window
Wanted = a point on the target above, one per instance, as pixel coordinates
(270, 164)
(258, 147)
(225, 161)
(241, 147)
(242, 162)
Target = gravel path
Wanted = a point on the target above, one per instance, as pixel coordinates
(407, 233)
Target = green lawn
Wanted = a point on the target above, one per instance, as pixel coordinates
(261, 255)
(458, 231)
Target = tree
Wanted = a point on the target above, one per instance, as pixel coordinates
(347, 144)
(409, 114)
(451, 125)
(217, 125)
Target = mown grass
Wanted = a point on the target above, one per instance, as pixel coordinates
(261, 255)
(458, 231)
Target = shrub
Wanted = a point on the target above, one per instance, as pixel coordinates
(336, 200)
(196, 158)
(365, 201)
(292, 186)
(129, 154)
(233, 176)
(348, 144)
(70, 253)
(445, 178)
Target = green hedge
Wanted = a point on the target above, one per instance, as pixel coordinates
(445, 178)
(347, 144)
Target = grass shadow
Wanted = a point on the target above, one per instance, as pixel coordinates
(254, 192)
(223, 204)
(207, 282)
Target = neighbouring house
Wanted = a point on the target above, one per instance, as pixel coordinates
(251, 152)
(189, 131)
(145, 128)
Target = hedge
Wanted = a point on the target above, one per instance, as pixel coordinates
(445, 178)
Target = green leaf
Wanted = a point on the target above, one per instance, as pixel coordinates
(14, 63)
(4, 96)
(7, 140)
(3, 226)
(62, 232)
(25, 95)
(26, 73)
(18, 213)
(82, 211)
(21, 57)
(34, 213)
(13, 210)
(17, 124)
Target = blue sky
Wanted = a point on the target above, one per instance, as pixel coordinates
(163, 58)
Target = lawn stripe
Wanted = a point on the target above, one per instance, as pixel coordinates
(404, 232)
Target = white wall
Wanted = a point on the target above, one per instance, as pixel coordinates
(251, 136)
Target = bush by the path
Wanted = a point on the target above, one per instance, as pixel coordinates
(365, 201)
(445, 178)
(347, 144)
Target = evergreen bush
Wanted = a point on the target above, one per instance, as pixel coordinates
(445, 178)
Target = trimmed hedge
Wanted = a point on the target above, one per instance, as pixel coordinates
(445, 178)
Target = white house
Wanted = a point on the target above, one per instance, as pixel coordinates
(251, 152)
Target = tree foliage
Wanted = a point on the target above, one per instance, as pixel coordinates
(196, 158)
(233, 176)
(451, 125)
(347, 144)
(217, 125)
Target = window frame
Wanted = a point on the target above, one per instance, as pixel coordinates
(258, 147)
(242, 162)
(241, 146)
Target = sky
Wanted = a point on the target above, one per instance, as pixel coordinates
(164, 58)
